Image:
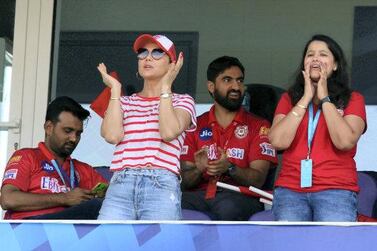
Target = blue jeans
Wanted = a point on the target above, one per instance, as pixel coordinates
(142, 194)
(327, 205)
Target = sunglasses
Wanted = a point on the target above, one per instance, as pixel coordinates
(156, 53)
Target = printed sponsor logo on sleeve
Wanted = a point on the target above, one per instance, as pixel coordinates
(14, 160)
(263, 131)
(10, 174)
(267, 149)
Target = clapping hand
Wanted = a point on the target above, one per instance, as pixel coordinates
(201, 159)
(174, 68)
(108, 80)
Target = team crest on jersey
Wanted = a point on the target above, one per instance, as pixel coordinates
(184, 150)
(205, 134)
(47, 167)
(263, 131)
(241, 131)
(10, 174)
(14, 160)
(267, 149)
(235, 153)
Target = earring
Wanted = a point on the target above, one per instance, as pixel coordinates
(138, 76)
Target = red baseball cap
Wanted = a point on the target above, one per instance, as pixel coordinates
(162, 41)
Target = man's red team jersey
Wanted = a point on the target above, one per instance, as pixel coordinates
(31, 171)
(244, 140)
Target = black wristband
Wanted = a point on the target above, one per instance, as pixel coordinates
(325, 99)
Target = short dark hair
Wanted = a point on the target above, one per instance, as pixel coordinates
(219, 65)
(65, 104)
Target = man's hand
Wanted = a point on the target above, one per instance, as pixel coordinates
(76, 196)
(219, 166)
(201, 159)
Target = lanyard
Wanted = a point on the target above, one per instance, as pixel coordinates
(63, 175)
(312, 125)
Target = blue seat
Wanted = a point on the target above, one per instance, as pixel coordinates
(188, 214)
(266, 215)
(104, 171)
(367, 195)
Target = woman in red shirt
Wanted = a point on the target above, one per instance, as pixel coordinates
(318, 123)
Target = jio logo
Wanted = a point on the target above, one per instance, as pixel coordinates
(205, 134)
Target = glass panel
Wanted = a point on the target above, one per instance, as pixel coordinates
(5, 88)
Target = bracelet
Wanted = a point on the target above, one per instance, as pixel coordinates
(301, 106)
(114, 98)
(166, 95)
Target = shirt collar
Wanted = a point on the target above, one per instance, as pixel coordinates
(46, 152)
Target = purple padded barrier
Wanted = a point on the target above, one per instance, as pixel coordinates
(367, 195)
(266, 215)
(194, 215)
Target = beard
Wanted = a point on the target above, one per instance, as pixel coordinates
(63, 150)
(229, 103)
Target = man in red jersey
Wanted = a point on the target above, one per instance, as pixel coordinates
(45, 182)
(229, 145)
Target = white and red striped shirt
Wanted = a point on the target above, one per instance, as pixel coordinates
(142, 145)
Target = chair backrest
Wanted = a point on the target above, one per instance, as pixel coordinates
(104, 171)
(188, 214)
(367, 195)
(263, 99)
(266, 215)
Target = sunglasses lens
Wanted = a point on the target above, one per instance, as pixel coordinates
(142, 53)
(157, 53)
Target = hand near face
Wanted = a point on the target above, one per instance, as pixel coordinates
(174, 68)
(108, 80)
(309, 88)
(219, 166)
(322, 90)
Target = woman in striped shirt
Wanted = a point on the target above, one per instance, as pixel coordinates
(148, 129)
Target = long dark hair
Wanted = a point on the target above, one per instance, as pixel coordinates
(337, 84)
